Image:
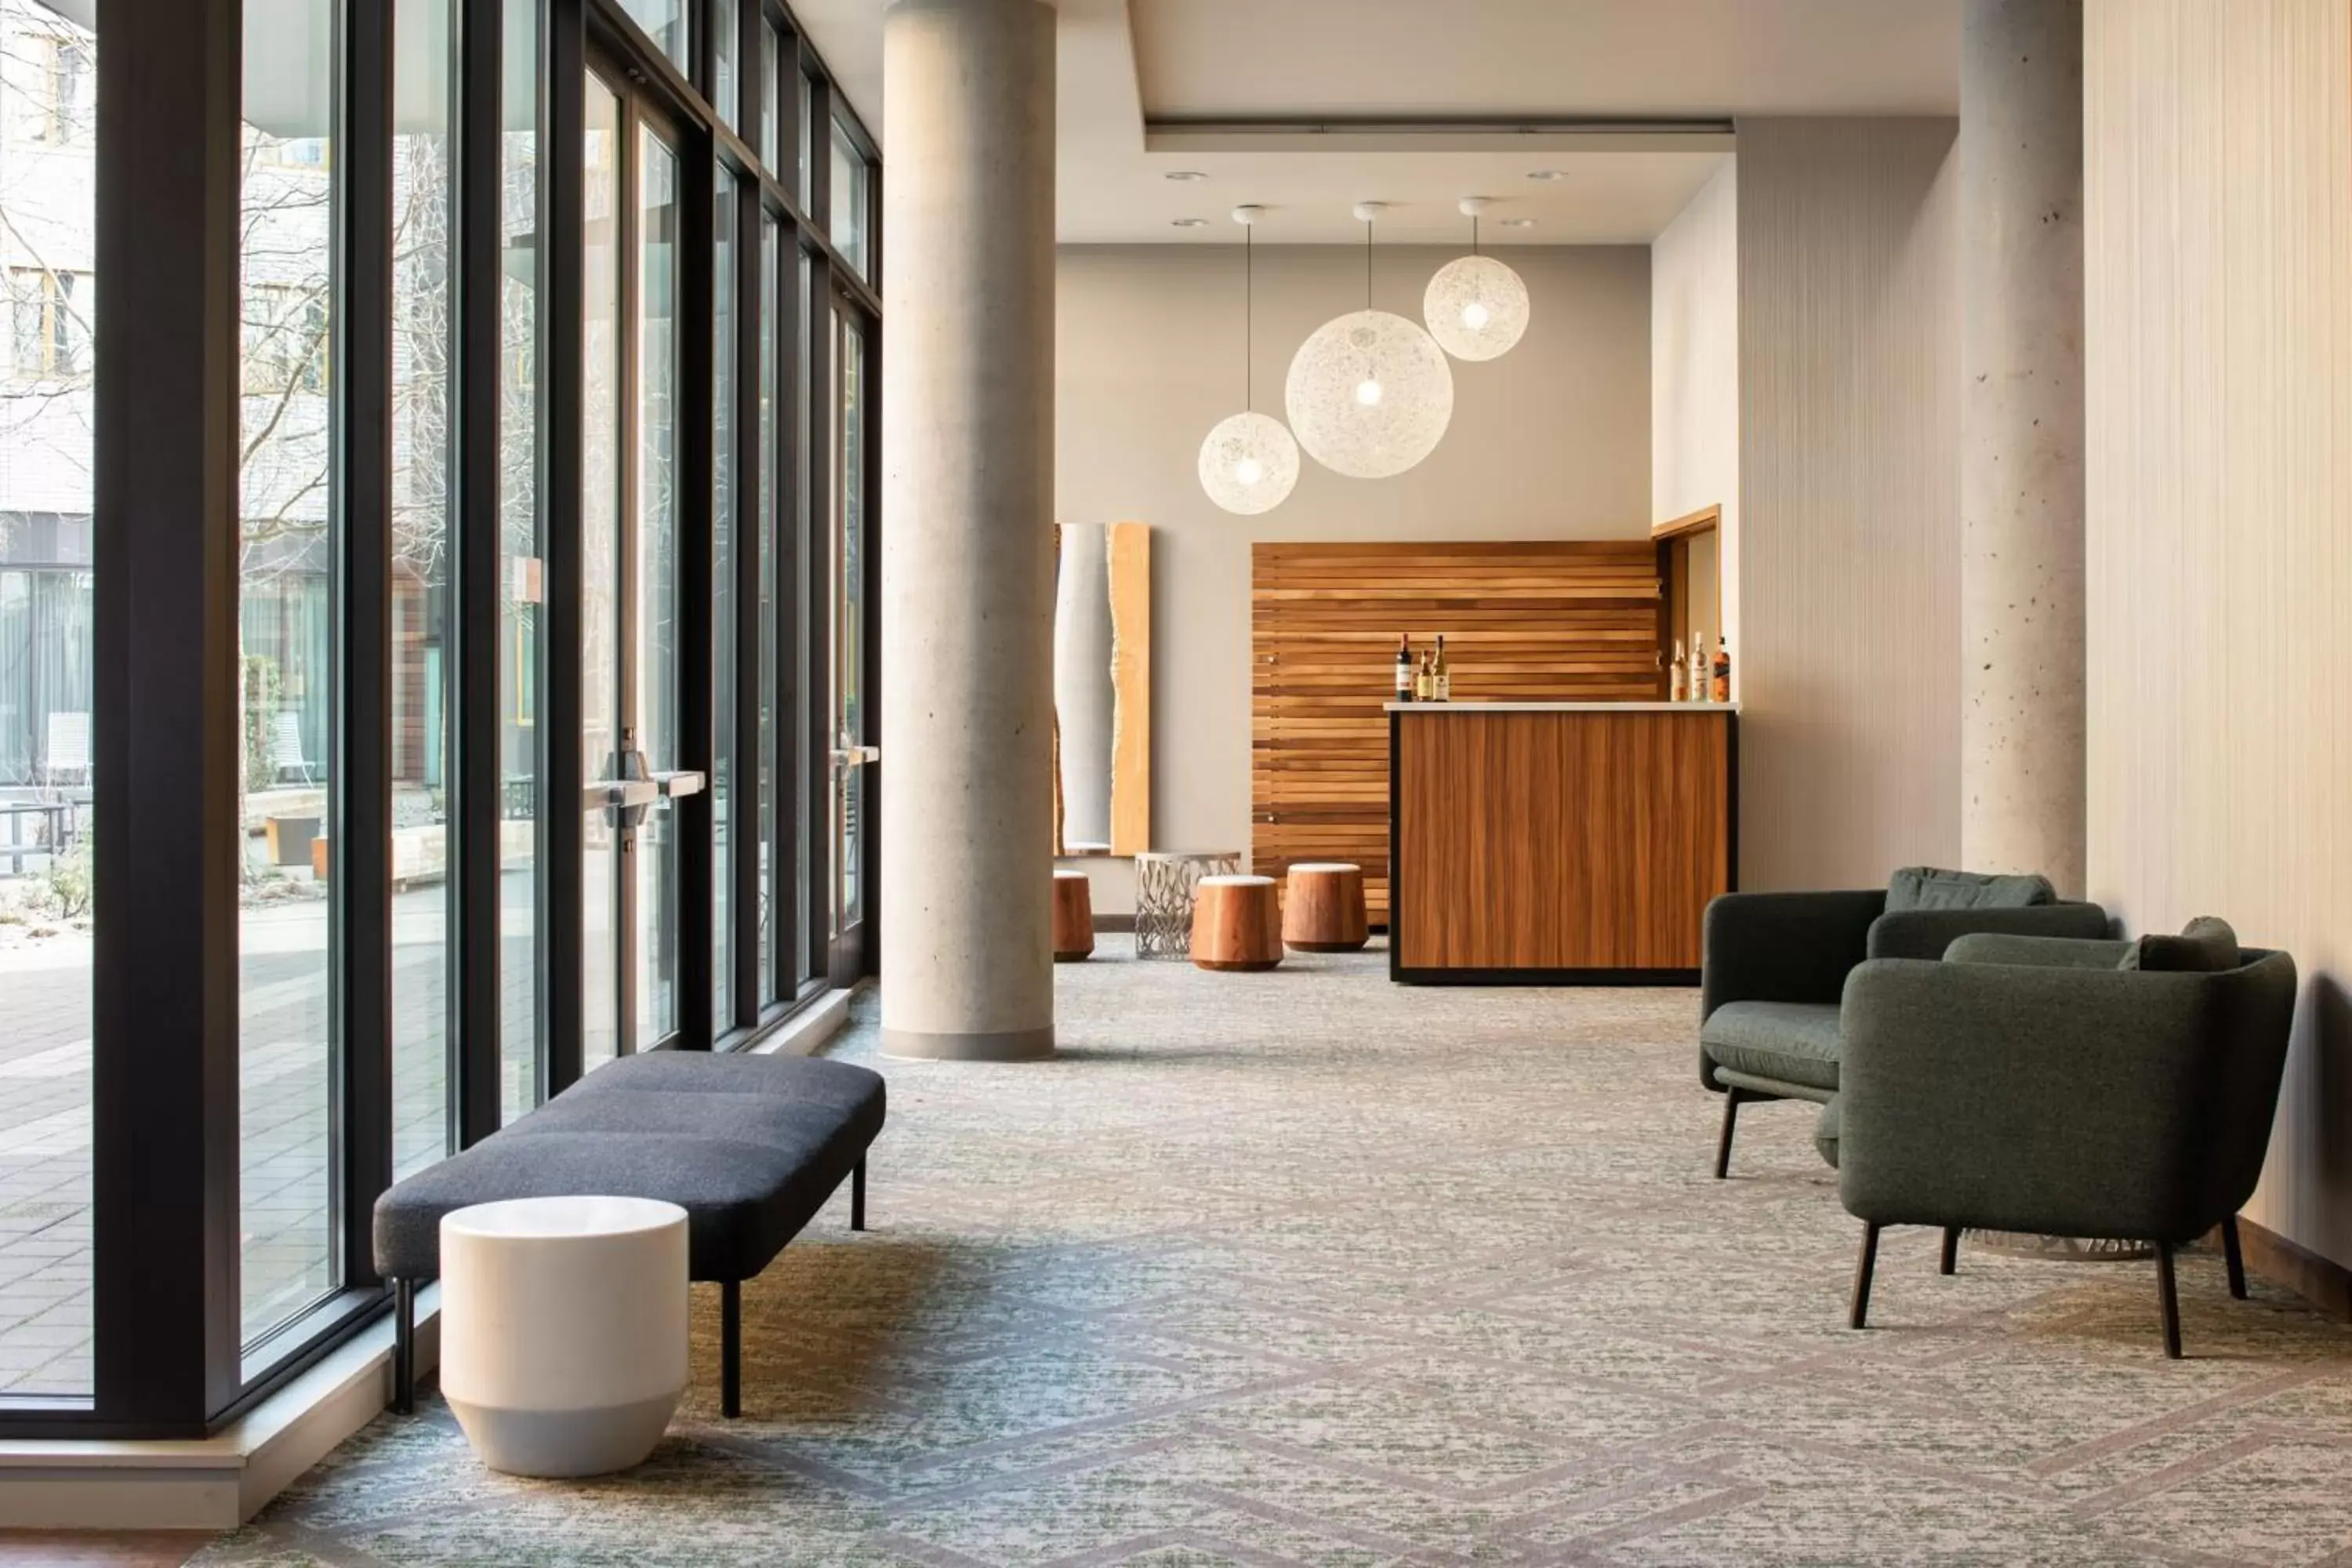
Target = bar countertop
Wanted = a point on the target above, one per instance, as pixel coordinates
(1562, 707)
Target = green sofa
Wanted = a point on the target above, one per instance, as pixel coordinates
(1775, 965)
(2035, 1086)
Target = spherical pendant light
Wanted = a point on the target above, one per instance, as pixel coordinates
(1370, 395)
(1249, 464)
(1476, 307)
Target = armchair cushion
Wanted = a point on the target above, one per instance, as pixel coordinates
(1785, 1042)
(1929, 888)
(1826, 1129)
(1926, 933)
(1784, 947)
(2043, 951)
(2205, 946)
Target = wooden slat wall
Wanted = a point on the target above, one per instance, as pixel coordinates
(1534, 621)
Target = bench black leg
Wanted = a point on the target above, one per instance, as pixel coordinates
(1951, 1250)
(857, 1196)
(403, 1346)
(730, 1348)
(2237, 1258)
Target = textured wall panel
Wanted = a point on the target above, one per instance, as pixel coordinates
(1849, 475)
(2218, 268)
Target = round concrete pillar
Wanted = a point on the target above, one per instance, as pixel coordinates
(967, 850)
(2022, 768)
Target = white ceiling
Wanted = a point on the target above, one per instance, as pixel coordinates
(1492, 58)
(1138, 77)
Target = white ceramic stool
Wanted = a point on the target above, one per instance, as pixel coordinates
(564, 1337)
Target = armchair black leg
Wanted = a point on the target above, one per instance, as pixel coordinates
(2169, 1297)
(404, 1347)
(858, 1196)
(731, 1349)
(1951, 1263)
(2237, 1258)
(1862, 1267)
(1732, 1100)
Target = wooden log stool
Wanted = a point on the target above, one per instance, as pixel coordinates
(1074, 917)
(1235, 924)
(1323, 909)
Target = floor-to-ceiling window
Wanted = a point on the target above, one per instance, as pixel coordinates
(851, 192)
(602, 757)
(285, 722)
(424, 193)
(846, 578)
(523, 552)
(653, 674)
(724, 210)
(520, 341)
(48, 109)
(776, 967)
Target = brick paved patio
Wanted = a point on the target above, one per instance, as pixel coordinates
(44, 1117)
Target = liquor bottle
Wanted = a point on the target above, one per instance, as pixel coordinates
(1424, 682)
(1679, 690)
(1699, 682)
(1722, 684)
(1441, 675)
(1405, 667)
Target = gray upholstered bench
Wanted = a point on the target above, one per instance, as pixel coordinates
(751, 1147)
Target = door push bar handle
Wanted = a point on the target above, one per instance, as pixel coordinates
(851, 756)
(604, 792)
(679, 784)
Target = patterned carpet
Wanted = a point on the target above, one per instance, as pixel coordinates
(1303, 1266)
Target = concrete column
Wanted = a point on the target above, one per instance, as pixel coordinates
(2020, 146)
(967, 850)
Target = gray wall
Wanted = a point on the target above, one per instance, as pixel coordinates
(1695, 389)
(2218, 272)
(1848, 637)
(1553, 440)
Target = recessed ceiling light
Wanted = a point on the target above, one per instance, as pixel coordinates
(1190, 223)
(1518, 223)
(1183, 174)
(1548, 174)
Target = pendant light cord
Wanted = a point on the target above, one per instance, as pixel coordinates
(1368, 264)
(1473, 234)
(1249, 314)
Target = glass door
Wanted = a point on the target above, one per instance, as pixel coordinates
(629, 650)
(855, 753)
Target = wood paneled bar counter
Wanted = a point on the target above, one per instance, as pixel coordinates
(1557, 843)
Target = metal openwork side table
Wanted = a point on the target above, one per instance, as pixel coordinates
(1165, 882)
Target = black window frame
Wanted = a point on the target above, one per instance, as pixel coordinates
(168, 1358)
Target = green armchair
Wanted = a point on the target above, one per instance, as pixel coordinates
(1774, 964)
(2035, 1086)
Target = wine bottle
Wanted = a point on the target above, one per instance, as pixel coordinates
(1424, 682)
(1441, 676)
(1721, 686)
(1679, 685)
(1405, 667)
(1698, 687)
